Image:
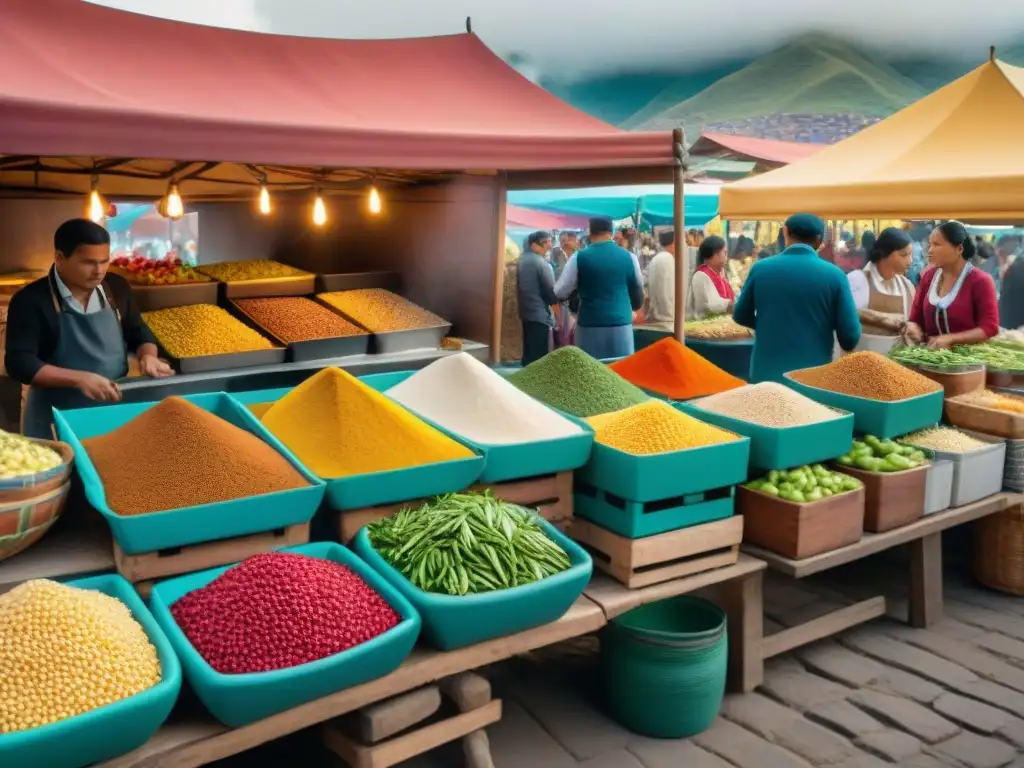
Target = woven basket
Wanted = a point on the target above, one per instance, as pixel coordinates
(998, 560)
(23, 523)
(33, 486)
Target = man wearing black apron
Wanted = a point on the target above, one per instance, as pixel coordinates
(68, 334)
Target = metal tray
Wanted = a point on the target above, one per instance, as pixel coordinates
(355, 280)
(407, 341)
(311, 349)
(296, 285)
(150, 298)
(224, 362)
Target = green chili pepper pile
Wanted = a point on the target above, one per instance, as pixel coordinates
(994, 355)
(874, 455)
(465, 543)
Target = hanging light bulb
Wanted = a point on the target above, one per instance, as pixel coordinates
(319, 210)
(264, 199)
(174, 206)
(374, 201)
(96, 207)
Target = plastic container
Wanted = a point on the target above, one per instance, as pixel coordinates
(190, 525)
(938, 488)
(109, 731)
(451, 622)
(731, 356)
(635, 520)
(876, 417)
(664, 667)
(784, 447)
(387, 487)
(976, 474)
(236, 700)
(666, 475)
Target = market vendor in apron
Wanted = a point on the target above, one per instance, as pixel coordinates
(798, 305)
(955, 303)
(610, 288)
(69, 333)
(881, 291)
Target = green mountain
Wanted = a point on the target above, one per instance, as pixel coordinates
(815, 76)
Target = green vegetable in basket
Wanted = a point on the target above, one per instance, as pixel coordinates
(874, 455)
(465, 543)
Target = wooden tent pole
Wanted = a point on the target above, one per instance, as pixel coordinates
(679, 224)
(499, 270)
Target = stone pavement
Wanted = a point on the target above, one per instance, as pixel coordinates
(879, 695)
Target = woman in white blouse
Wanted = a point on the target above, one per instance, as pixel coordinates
(881, 291)
(710, 292)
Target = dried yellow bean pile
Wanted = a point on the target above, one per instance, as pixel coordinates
(654, 427)
(944, 439)
(65, 651)
(996, 401)
(768, 404)
(202, 329)
(381, 311)
(254, 269)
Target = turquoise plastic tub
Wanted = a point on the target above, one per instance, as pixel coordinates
(236, 700)
(784, 447)
(666, 475)
(635, 520)
(451, 622)
(731, 356)
(189, 525)
(109, 731)
(875, 417)
(382, 382)
(393, 485)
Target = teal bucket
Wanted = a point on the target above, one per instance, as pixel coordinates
(664, 666)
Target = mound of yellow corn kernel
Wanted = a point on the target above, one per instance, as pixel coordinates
(202, 329)
(65, 651)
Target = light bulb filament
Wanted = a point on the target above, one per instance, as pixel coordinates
(264, 200)
(374, 201)
(97, 210)
(175, 206)
(319, 211)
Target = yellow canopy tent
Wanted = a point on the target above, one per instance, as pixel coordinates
(958, 153)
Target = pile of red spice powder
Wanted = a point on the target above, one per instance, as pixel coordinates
(670, 369)
(280, 610)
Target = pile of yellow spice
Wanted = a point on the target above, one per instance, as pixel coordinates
(65, 651)
(654, 427)
(338, 426)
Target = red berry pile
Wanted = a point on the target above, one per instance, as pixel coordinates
(280, 610)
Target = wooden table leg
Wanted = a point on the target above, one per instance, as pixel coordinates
(926, 581)
(743, 602)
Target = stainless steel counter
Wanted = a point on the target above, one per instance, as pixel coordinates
(285, 374)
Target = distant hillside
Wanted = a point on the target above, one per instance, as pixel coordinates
(813, 77)
(614, 98)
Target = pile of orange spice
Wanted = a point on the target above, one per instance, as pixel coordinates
(672, 370)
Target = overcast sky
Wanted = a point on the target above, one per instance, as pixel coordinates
(570, 38)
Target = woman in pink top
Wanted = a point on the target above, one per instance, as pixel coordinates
(955, 303)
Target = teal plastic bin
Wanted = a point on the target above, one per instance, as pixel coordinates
(109, 731)
(190, 525)
(784, 447)
(390, 486)
(731, 356)
(664, 667)
(666, 475)
(876, 417)
(236, 700)
(451, 622)
(635, 520)
(382, 382)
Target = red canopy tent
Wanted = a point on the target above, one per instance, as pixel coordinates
(767, 152)
(166, 89)
(528, 218)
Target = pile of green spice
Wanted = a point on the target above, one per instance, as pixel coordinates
(572, 381)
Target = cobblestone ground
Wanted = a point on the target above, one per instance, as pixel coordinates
(879, 695)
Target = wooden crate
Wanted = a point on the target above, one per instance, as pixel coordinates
(988, 421)
(386, 733)
(550, 495)
(891, 499)
(796, 530)
(665, 556)
(143, 569)
(956, 383)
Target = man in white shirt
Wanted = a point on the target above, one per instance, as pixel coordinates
(661, 278)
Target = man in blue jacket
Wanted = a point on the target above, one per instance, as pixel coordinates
(610, 287)
(535, 288)
(797, 304)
